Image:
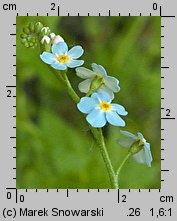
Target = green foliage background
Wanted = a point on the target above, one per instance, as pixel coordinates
(54, 147)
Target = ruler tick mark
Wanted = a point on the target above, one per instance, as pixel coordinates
(168, 16)
(168, 118)
(67, 193)
(58, 10)
(118, 196)
(165, 67)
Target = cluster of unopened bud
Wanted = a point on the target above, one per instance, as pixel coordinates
(31, 34)
(36, 34)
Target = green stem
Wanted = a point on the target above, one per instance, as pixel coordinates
(122, 163)
(97, 134)
(71, 91)
(106, 158)
(62, 76)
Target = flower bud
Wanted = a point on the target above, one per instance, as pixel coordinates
(23, 41)
(26, 30)
(37, 27)
(45, 31)
(33, 39)
(52, 35)
(57, 39)
(31, 44)
(45, 40)
(26, 45)
(23, 36)
(31, 27)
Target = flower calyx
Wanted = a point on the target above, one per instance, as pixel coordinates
(136, 147)
(96, 84)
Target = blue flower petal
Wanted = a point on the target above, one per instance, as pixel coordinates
(75, 52)
(74, 63)
(128, 134)
(84, 73)
(114, 119)
(60, 48)
(84, 86)
(119, 109)
(125, 142)
(99, 70)
(96, 118)
(144, 156)
(103, 96)
(103, 88)
(112, 83)
(140, 136)
(59, 66)
(47, 57)
(148, 155)
(86, 105)
(140, 157)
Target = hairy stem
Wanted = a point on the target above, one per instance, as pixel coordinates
(106, 158)
(71, 91)
(63, 77)
(123, 163)
(97, 133)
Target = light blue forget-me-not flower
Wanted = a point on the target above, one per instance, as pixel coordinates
(144, 155)
(109, 84)
(100, 110)
(61, 58)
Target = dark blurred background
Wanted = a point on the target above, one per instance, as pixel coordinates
(54, 146)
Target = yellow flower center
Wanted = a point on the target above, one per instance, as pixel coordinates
(144, 140)
(141, 141)
(105, 106)
(63, 58)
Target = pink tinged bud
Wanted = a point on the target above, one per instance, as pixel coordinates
(57, 39)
